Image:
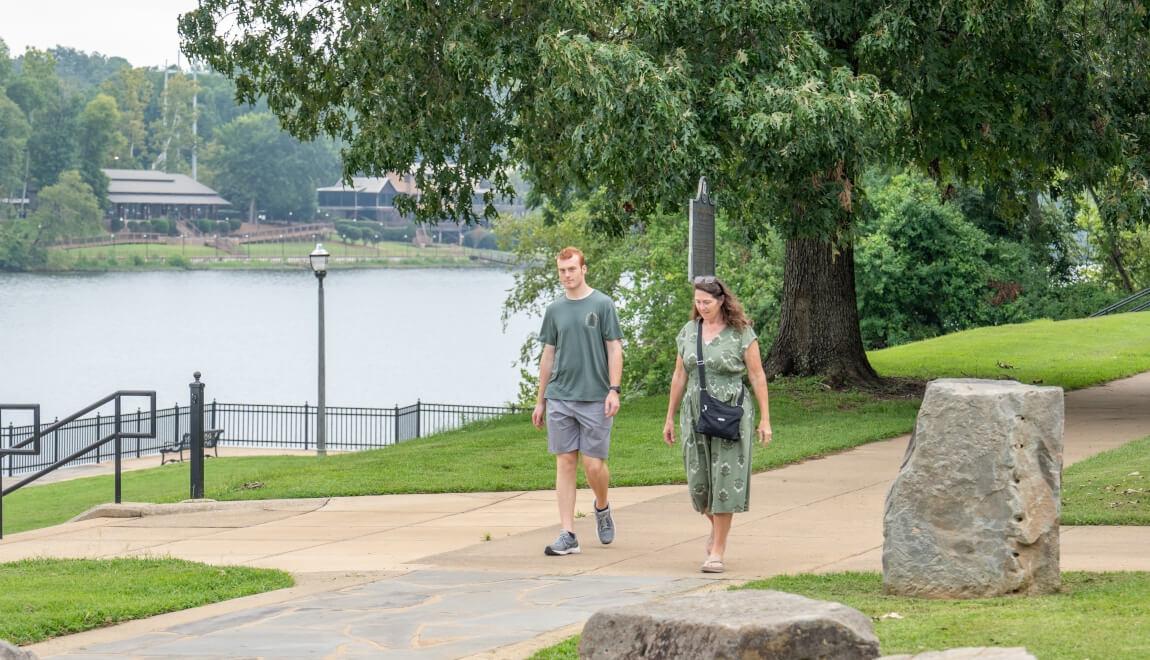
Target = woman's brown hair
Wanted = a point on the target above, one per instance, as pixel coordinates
(731, 308)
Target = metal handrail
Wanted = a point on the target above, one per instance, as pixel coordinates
(37, 433)
(1122, 303)
(151, 394)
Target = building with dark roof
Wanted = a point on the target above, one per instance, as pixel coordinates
(368, 198)
(143, 194)
(373, 198)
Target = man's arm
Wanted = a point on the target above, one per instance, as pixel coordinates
(614, 373)
(546, 362)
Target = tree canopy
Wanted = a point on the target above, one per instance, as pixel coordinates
(782, 103)
(256, 165)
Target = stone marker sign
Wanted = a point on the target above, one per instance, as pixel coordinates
(974, 511)
(730, 624)
(701, 235)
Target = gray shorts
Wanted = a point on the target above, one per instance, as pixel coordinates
(578, 426)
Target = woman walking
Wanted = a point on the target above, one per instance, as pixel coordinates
(718, 469)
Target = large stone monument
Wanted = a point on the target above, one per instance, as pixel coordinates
(974, 511)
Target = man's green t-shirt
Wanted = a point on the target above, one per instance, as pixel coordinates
(577, 330)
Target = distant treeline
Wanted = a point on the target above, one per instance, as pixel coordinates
(63, 109)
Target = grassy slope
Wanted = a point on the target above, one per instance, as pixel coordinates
(42, 598)
(506, 454)
(1111, 488)
(1073, 354)
(509, 454)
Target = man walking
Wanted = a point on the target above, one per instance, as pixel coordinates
(579, 381)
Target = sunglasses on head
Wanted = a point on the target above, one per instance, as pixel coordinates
(710, 279)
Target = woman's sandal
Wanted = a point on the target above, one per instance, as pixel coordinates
(713, 566)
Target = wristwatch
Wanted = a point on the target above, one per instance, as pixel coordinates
(616, 389)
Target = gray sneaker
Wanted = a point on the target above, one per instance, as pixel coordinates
(605, 525)
(566, 544)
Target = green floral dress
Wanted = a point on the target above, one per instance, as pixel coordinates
(718, 471)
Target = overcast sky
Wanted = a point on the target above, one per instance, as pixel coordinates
(141, 31)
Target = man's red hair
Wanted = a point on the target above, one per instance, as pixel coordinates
(568, 252)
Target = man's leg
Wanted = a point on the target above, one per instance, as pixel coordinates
(565, 475)
(598, 477)
(595, 445)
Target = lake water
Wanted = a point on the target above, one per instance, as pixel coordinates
(392, 336)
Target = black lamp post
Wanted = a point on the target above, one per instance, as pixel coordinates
(318, 258)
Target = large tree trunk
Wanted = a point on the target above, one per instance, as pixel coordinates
(819, 329)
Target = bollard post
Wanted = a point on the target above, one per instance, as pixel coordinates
(117, 444)
(196, 429)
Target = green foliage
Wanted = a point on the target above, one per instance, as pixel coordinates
(5, 64)
(481, 238)
(351, 232)
(81, 72)
(1119, 237)
(67, 209)
(161, 226)
(97, 138)
(1111, 488)
(643, 271)
(926, 266)
(922, 269)
(217, 227)
(19, 250)
(132, 93)
(256, 164)
(170, 134)
(14, 131)
(568, 648)
(45, 598)
(782, 104)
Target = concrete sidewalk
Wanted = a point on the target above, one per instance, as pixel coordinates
(453, 575)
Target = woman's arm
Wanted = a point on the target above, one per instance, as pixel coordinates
(678, 389)
(758, 380)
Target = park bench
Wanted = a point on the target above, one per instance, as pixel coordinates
(211, 441)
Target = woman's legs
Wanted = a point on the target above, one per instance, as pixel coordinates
(720, 528)
(711, 536)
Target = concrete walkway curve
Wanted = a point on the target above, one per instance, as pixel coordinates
(459, 575)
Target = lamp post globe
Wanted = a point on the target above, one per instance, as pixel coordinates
(318, 259)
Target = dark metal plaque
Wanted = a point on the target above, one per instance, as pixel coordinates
(701, 246)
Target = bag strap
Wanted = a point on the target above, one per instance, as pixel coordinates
(700, 363)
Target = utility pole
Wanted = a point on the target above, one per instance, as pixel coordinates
(195, 121)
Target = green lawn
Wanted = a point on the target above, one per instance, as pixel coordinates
(1111, 488)
(43, 598)
(140, 255)
(1073, 354)
(1096, 615)
(498, 455)
(509, 454)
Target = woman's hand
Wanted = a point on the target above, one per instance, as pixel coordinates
(764, 433)
(669, 433)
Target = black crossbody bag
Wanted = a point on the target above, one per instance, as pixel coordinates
(716, 419)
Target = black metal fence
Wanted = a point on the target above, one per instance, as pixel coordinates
(1137, 302)
(250, 425)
